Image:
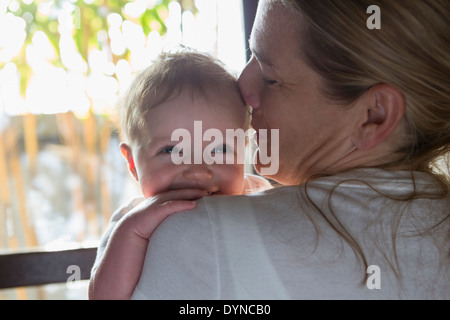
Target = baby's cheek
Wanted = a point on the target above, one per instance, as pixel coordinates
(232, 179)
(148, 190)
(153, 185)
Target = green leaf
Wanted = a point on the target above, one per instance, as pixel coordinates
(92, 18)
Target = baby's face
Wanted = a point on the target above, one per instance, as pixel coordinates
(155, 169)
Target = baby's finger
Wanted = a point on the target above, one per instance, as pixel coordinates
(180, 194)
(156, 214)
(174, 206)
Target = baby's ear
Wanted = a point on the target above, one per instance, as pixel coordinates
(128, 155)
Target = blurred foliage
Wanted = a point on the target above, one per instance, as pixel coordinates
(90, 18)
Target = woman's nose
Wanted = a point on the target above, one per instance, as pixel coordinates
(249, 85)
(198, 173)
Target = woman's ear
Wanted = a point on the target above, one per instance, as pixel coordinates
(128, 155)
(382, 108)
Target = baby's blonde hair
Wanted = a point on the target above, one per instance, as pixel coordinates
(170, 75)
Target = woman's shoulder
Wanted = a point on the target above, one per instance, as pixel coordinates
(267, 199)
(213, 212)
(349, 190)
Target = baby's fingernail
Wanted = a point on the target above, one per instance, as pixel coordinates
(192, 204)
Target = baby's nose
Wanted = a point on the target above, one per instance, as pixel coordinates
(198, 173)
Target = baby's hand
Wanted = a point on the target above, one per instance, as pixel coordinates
(143, 219)
(120, 266)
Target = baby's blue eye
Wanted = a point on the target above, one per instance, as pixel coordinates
(221, 149)
(170, 149)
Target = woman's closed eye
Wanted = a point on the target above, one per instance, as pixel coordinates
(269, 82)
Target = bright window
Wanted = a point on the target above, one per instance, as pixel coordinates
(63, 65)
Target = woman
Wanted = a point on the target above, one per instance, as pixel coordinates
(364, 120)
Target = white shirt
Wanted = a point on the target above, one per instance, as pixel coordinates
(252, 184)
(276, 245)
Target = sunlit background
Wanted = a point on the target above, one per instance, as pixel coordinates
(59, 56)
(63, 65)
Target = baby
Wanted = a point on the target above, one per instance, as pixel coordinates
(184, 95)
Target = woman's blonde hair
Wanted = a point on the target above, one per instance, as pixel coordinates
(169, 75)
(411, 52)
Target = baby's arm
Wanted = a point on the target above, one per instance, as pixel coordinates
(120, 267)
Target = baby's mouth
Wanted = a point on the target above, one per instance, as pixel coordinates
(210, 191)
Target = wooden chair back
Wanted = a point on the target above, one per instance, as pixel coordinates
(45, 267)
